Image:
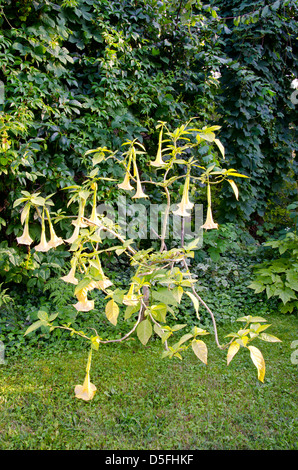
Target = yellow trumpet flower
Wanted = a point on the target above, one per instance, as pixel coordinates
(209, 224)
(185, 205)
(87, 390)
(43, 245)
(25, 239)
(126, 184)
(83, 304)
(75, 235)
(54, 240)
(140, 193)
(71, 275)
(130, 298)
(94, 217)
(103, 282)
(158, 162)
(78, 221)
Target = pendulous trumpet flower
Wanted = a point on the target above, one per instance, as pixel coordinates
(87, 390)
(130, 298)
(94, 217)
(25, 239)
(43, 245)
(158, 162)
(185, 205)
(101, 282)
(83, 304)
(54, 240)
(78, 221)
(71, 275)
(209, 224)
(75, 235)
(126, 184)
(140, 193)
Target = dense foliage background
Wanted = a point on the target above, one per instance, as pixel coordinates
(78, 74)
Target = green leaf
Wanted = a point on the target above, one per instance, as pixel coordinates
(178, 327)
(82, 284)
(292, 280)
(164, 296)
(185, 338)
(257, 287)
(112, 311)
(33, 327)
(286, 294)
(177, 293)
(159, 312)
(200, 350)
(144, 331)
(250, 319)
(42, 315)
(158, 330)
(199, 331)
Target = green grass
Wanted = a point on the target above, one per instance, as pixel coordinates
(143, 402)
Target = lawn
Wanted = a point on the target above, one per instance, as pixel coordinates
(147, 403)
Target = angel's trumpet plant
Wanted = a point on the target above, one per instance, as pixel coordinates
(25, 239)
(185, 205)
(43, 245)
(87, 390)
(209, 224)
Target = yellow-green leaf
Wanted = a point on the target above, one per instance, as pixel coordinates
(112, 311)
(194, 301)
(233, 349)
(258, 360)
(269, 338)
(144, 331)
(200, 350)
(220, 146)
(235, 188)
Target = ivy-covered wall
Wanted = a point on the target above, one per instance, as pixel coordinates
(78, 74)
